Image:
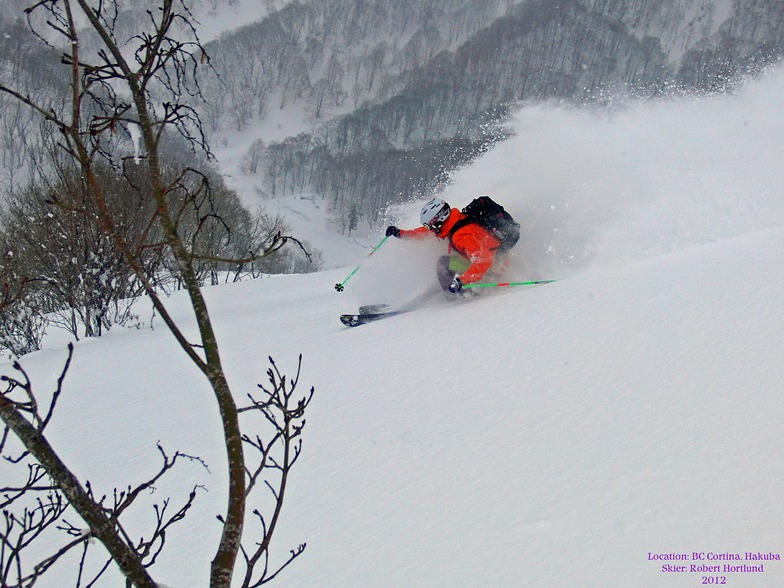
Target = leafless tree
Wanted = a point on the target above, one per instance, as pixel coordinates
(36, 505)
(141, 87)
(251, 161)
(40, 501)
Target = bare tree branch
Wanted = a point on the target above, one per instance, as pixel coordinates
(284, 413)
(145, 83)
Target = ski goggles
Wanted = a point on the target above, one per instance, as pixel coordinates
(439, 219)
(435, 225)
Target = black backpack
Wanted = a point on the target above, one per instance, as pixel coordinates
(492, 216)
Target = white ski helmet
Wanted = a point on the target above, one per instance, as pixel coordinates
(434, 214)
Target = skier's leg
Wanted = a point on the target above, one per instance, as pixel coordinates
(447, 268)
(444, 274)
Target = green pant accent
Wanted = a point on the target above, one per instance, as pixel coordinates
(448, 267)
(458, 264)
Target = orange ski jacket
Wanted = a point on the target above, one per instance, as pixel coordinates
(472, 241)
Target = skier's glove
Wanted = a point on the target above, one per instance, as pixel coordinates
(393, 231)
(455, 286)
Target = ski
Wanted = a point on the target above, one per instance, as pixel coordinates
(354, 320)
(373, 312)
(374, 308)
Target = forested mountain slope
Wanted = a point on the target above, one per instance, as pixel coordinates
(394, 96)
(442, 112)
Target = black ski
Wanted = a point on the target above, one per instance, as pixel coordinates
(374, 308)
(354, 320)
(375, 312)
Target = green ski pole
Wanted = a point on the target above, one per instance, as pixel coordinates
(507, 284)
(340, 287)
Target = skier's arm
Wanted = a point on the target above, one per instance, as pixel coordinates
(418, 233)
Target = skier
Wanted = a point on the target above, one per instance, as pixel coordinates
(473, 248)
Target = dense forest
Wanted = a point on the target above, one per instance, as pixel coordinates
(400, 95)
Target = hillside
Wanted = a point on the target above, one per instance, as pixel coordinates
(366, 105)
(429, 107)
(568, 434)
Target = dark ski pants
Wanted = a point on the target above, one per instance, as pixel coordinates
(448, 267)
(445, 275)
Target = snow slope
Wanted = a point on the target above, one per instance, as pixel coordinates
(560, 435)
